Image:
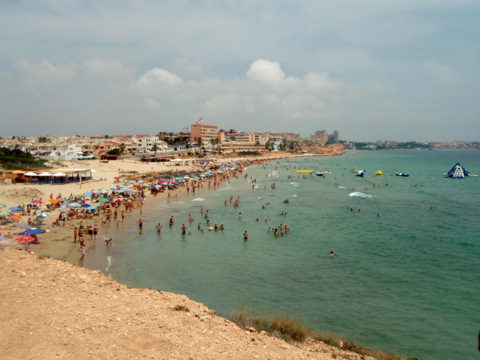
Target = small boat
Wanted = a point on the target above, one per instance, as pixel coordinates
(319, 173)
(354, 171)
(360, 173)
(402, 174)
(305, 171)
(456, 172)
(378, 173)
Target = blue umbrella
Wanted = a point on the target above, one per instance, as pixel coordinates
(90, 207)
(74, 205)
(15, 208)
(32, 231)
(86, 205)
(88, 194)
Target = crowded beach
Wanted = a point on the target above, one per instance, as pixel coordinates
(64, 216)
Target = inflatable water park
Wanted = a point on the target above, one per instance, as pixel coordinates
(456, 172)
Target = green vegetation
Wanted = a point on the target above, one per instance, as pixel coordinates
(115, 151)
(291, 330)
(18, 159)
(242, 153)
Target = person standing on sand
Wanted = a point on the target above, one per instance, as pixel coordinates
(82, 252)
(75, 234)
(95, 232)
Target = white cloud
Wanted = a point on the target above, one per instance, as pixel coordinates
(266, 72)
(44, 73)
(158, 82)
(104, 67)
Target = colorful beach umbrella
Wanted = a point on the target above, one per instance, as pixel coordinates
(15, 208)
(42, 215)
(74, 205)
(15, 217)
(24, 239)
(32, 231)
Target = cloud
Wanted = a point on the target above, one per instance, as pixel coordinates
(44, 73)
(104, 67)
(266, 72)
(158, 82)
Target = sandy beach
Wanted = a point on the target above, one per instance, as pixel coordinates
(83, 314)
(58, 241)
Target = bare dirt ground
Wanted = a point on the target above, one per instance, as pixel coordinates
(50, 309)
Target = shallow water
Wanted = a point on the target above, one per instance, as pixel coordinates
(406, 282)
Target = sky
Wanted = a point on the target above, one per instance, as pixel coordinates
(399, 70)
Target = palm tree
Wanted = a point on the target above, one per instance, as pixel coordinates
(154, 148)
(257, 144)
(268, 145)
(122, 147)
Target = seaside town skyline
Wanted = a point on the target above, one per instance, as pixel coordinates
(198, 139)
(398, 70)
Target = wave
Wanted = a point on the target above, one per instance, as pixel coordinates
(359, 194)
(198, 199)
(342, 187)
(109, 263)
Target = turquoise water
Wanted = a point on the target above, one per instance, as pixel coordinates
(406, 282)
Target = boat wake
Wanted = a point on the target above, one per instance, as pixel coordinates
(359, 194)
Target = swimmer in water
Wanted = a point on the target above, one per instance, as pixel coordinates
(159, 227)
(184, 229)
(330, 253)
(245, 235)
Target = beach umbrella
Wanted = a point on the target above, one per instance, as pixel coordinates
(74, 205)
(4, 213)
(30, 173)
(116, 178)
(32, 231)
(24, 239)
(105, 200)
(2, 206)
(15, 208)
(86, 205)
(42, 215)
(15, 217)
(37, 201)
(88, 194)
(53, 201)
(91, 207)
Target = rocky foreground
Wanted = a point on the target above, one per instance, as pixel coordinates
(50, 309)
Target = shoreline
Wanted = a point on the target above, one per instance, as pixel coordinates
(57, 242)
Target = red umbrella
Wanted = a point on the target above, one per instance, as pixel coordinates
(24, 239)
(116, 178)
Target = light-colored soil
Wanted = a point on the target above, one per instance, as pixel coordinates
(50, 309)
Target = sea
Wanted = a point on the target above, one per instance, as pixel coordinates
(405, 275)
